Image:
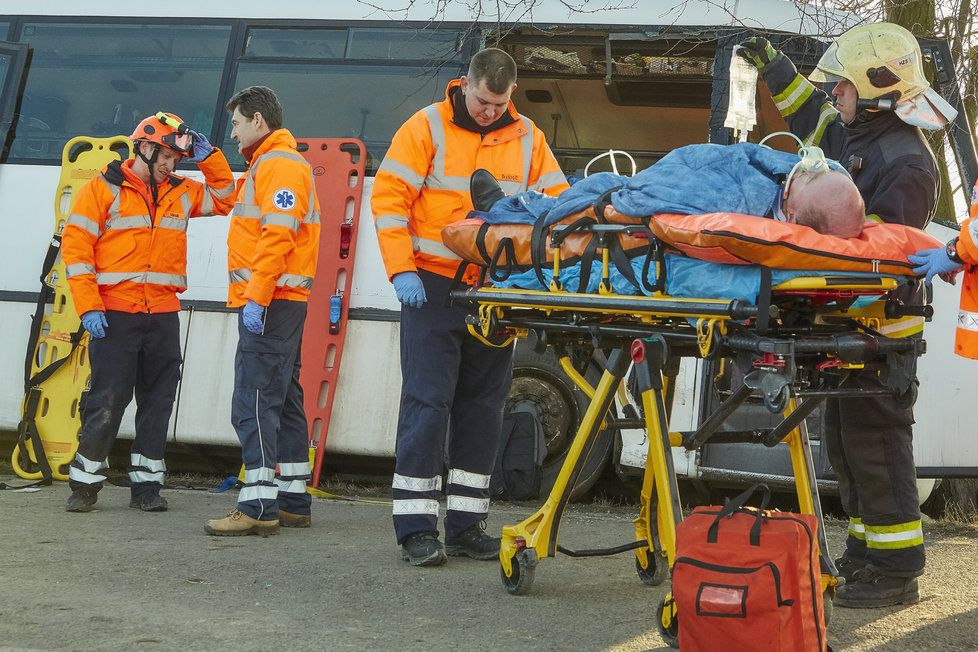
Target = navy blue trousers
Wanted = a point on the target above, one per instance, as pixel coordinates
(453, 387)
(139, 355)
(268, 416)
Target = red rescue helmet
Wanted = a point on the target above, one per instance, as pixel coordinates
(162, 132)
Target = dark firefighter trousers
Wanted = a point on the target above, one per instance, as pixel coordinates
(869, 442)
(451, 384)
(139, 355)
(268, 415)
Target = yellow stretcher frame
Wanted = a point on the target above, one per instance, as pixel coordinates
(56, 417)
(535, 538)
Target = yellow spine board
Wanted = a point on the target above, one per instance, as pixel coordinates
(58, 419)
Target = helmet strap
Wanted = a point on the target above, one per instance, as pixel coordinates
(151, 164)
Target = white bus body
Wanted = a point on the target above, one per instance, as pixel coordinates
(365, 413)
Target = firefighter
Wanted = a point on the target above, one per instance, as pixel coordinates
(125, 253)
(451, 382)
(872, 124)
(273, 245)
(960, 253)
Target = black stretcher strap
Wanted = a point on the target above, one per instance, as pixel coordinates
(27, 428)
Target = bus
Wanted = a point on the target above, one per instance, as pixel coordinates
(646, 78)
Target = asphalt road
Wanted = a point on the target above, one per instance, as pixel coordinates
(119, 579)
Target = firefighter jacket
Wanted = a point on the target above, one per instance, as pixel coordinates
(966, 338)
(889, 160)
(423, 183)
(123, 252)
(273, 242)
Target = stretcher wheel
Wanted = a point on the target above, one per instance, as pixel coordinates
(668, 624)
(524, 565)
(657, 571)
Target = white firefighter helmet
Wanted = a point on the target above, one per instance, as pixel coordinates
(878, 59)
(884, 60)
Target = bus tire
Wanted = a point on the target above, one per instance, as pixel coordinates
(540, 378)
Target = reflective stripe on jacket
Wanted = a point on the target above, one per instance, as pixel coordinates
(423, 183)
(120, 254)
(273, 241)
(966, 337)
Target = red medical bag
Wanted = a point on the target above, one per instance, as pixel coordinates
(748, 579)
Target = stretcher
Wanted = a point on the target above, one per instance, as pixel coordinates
(796, 343)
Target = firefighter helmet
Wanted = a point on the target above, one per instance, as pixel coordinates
(879, 59)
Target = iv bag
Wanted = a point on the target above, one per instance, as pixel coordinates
(741, 110)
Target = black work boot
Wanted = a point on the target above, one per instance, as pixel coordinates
(484, 189)
(870, 589)
(149, 503)
(82, 500)
(849, 566)
(474, 543)
(423, 549)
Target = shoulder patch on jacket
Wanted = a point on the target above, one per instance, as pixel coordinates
(284, 199)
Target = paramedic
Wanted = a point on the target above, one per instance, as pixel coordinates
(451, 382)
(125, 253)
(273, 244)
(874, 68)
(960, 253)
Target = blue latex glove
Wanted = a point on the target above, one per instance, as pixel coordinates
(95, 323)
(202, 147)
(409, 289)
(933, 262)
(251, 315)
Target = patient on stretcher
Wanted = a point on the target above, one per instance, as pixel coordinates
(700, 202)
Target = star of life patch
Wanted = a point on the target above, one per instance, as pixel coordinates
(284, 199)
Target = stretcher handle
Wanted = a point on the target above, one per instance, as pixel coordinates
(737, 504)
(849, 345)
(896, 309)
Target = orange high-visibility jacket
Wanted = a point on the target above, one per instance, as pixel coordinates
(273, 242)
(966, 337)
(120, 253)
(423, 183)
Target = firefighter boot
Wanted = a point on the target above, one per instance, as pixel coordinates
(423, 549)
(82, 500)
(474, 543)
(848, 566)
(236, 524)
(152, 502)
(288, 519)
(484, 189)
(870, 589)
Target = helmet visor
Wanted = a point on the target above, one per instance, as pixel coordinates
(182, 143)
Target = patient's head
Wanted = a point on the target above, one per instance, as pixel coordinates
(828, 202)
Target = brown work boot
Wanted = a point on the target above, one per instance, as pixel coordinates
(288, 519)
(236, 524)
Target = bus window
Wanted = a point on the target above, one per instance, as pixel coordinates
(326, 101)
(101, 79)
(13, 58)
(405, 44)
(296, 43)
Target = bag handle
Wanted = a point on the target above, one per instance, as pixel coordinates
(737, 505)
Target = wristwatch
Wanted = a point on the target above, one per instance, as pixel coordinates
(952, 251)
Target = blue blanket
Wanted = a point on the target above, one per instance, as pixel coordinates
(743, 178)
